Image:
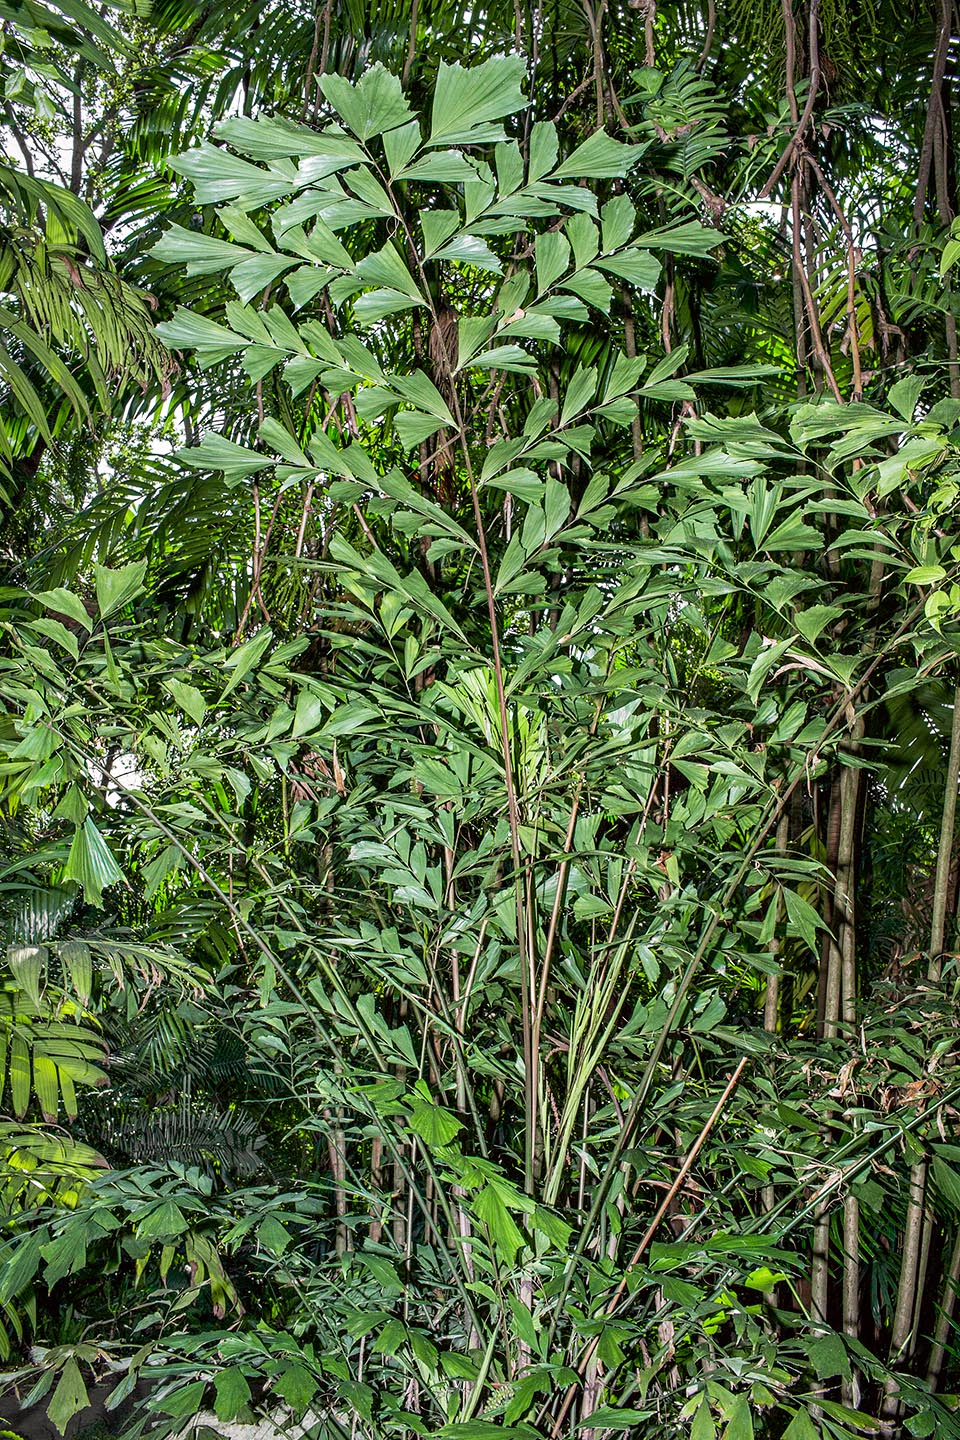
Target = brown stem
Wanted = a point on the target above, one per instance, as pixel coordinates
(412, 46)
(793, 146)
(934, 108)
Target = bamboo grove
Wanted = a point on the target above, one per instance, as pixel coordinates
(480, 737)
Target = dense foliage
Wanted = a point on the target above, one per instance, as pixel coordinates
(479, 743)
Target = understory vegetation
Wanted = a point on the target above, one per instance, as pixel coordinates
(480, 718)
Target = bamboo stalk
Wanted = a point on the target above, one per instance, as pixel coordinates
(945, 1318)
(914, 1227)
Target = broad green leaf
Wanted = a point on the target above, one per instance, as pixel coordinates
(198, 253)
(413, 428)
(635, 266)
(488, 1206)
(77, 960)
(465, 101)
(18, 1270)
(217, 175)
(28, 966)
(273, 1235)
(185, 1402)
(62, 602)
(216, 452)
(552, 258)
(811, 622)
(296, 1386)
(91, 864)
(584, 236)
(926, 575)
(116, 588)
(600, 157)
(903, 396)
(434, 1124)
(274, 138)
(801, 1427)
(20, 1073)
(374, 105)
(386, 268)
(189, 699)
(739, 1424)
(242, 660)
(691, 238)
(470, 250)
(187, 331)
(481, 1430)
(804, 919)
(165, 1220)
(69, 1398)
(53, 630)
(618, 218)
(437, 227)
(232, 1394)
(580, 392)
(828, 1356)
(46, 1086)
(376, 305)
(702, 1426)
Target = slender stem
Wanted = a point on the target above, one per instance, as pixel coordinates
(945, 1317)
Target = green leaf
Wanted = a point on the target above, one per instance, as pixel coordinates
(552, 258)
(801, 1427)
(116, 588)
(465, 101)
(164, 1220)
(804, 919)
(600, 157)
(232, 1394)
(481, 1430)
(46, 1086)
(273, 1235)
(91, 863)
(296, 1386)
(692, 238)
(69, 1398)
(53, 630)
(62, 602)
(702, 1426)
(187, 331)
(607, 1417)
(189, 699)
(76, 959)
(386, 268)
(828, 1356)
(617, 218)
(373, 106)
(434, 1124)
(739, 1424)
(926, 575)
(217, 175)
(17, 1273)
(904, 395)
(28, 964)
(413, 428)
(245, 657)
(811, 622)
(187, 1401)
(637, 267)
(20, 1073)
(216, 452)
(488, 1206)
